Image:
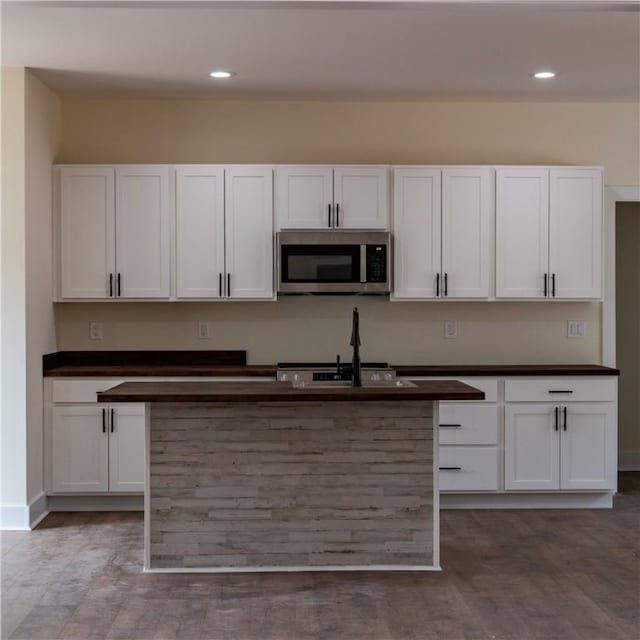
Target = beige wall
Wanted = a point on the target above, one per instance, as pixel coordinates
(312, 328)
(204, 131)
(43, 111)
(628, 326)
(201, 131)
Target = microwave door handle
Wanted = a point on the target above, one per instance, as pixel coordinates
(363, 263)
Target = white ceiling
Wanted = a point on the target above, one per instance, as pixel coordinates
(326, 51)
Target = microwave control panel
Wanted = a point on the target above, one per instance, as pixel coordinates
(376, 263)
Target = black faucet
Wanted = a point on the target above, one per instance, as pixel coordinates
(356, 372)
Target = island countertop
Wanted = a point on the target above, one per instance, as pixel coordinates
(214, 392)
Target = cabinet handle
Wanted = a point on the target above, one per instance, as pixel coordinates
(228, 284)
(104, 421)
(329, 215)
(113, 419)
(220, 284)
(450, 468)
(560, 391)
(546, 277)
(555, 411)
(564, 415)
(337, 215)
(450, 426)
(119, 288)
(437, 285)
(446, 284)
(111, 285)
(553, 285)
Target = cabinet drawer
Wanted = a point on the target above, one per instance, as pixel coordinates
(81, 390)
(468, 468)
(561, 390)
(462, 423)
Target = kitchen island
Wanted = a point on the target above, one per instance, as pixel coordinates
(268, 477)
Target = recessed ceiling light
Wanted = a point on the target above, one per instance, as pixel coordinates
(544, 75)
(222, 74)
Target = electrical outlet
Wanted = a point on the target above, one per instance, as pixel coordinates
(576, 329)
(203, 330)
(95, 331)
(450, 328)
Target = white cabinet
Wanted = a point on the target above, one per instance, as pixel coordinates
(442, 224)
(87, 232)
(199, 231)
(97, 449)
(249, 251)
(114, 235)
(569, 446)
(548, 233)
(80, 450)
(224, 218)
(324, 197)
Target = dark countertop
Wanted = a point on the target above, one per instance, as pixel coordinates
(160, 371)
(213, 392)
(506, 370)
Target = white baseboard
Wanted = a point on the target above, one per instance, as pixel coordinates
(629, 460)
(23, 517)
(526, 501)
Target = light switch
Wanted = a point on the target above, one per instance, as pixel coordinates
(95, 331)
(203, 330)
(450, 328)
(576, 329)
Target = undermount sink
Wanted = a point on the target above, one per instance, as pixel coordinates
(345, 384)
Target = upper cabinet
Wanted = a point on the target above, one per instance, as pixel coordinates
(548, 233)
(224, 232)
(114, 232)
(442, 228)
(317, 197)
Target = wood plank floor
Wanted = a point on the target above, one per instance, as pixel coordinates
(508, 575)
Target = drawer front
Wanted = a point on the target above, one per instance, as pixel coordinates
(468, 468)
(561, 390)
(81, 390)
(462, 423)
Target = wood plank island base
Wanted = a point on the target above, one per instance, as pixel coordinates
(264, 477)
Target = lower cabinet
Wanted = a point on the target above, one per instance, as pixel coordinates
(569, 446)
(470, 468)
(97, 449)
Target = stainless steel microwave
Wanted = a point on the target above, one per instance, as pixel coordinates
(332, 261)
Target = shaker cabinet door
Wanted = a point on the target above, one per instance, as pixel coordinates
(416, 232)
(522, 232)
(467, 231)
(126, 448)
(249, 232)
(361, 198)
(87, 232)
(143, 231)
(199, 231)
(304, 197)
(575, 232)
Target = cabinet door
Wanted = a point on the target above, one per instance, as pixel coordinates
(249, 231)
(467, 217)
(80, 441)
(588, 447)
(360, 196)
(416, 232)
(126, 447)
(522, 232)
(575, 232)
(142, 231)
(304, 197)
(87, 231)
(199, 231)
(532, 448)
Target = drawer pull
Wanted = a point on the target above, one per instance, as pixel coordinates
(560, 391)
(450, 468)
(564, 413)
(450, 425)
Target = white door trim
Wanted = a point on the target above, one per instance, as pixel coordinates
(612, 195)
